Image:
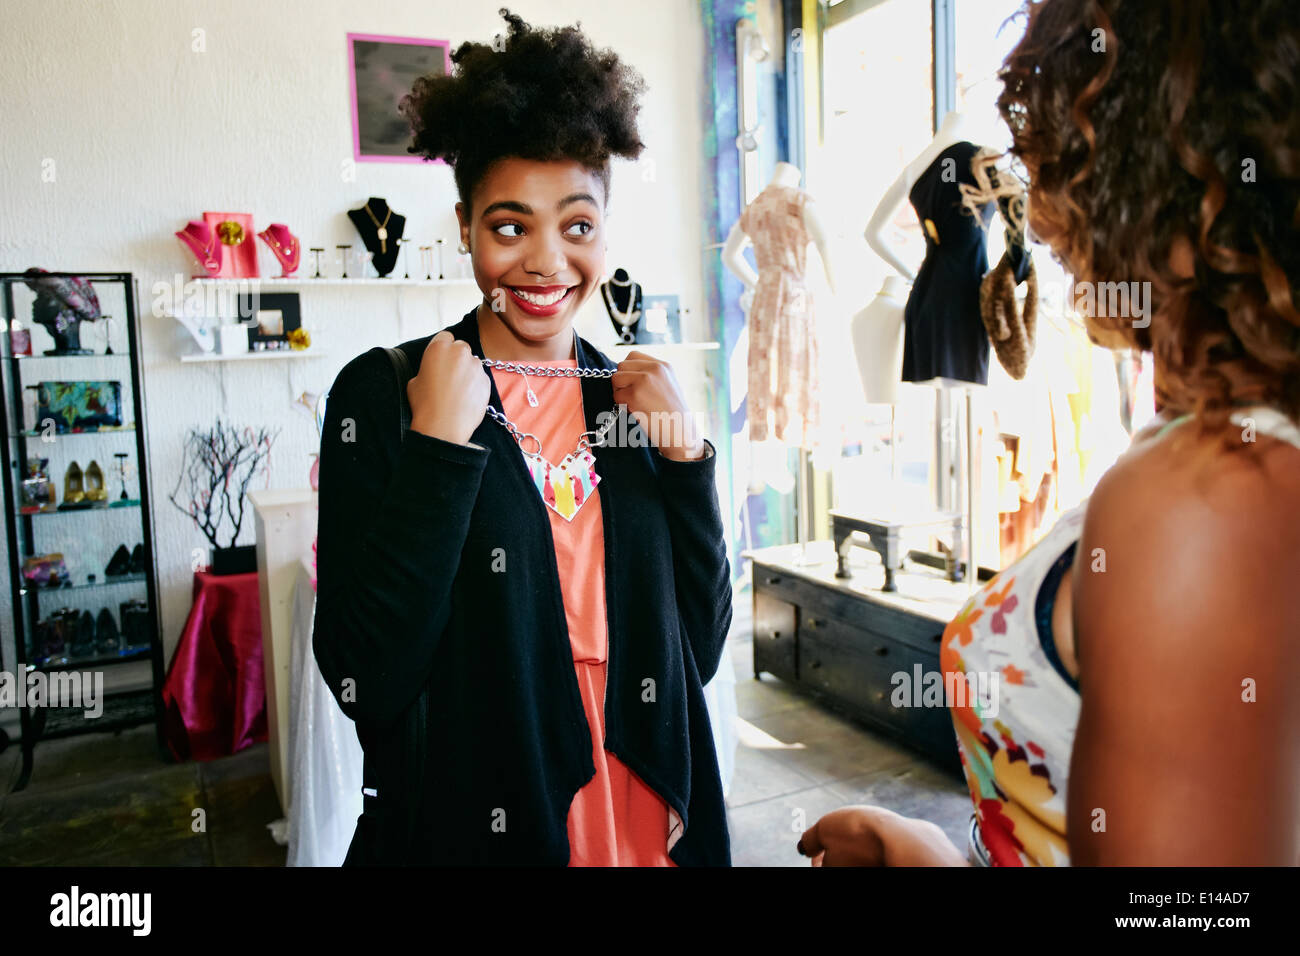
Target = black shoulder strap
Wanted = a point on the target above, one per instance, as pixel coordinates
(402, 369)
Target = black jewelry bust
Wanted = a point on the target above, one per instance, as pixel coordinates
(622, 298)
(380, 228)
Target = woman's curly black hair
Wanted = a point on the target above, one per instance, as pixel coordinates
(1145, 125)
(543, 94)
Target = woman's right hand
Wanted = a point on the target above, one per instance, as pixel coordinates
(874, 836)
(450, 394)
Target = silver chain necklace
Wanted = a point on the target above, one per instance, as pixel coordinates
(565, 485)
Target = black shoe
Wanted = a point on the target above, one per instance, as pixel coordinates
(83, 645)
(108, 640)
(137, 560)
(119, 563)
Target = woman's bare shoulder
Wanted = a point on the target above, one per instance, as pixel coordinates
(1181, 523)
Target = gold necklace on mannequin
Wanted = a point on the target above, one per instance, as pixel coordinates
(382, 227)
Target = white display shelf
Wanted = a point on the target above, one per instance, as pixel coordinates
(308, 353)
(298, 282)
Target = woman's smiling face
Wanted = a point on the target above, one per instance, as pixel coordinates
(537, 242)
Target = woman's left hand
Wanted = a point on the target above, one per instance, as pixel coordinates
(649, 389)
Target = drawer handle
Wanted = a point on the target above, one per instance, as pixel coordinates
(812, 622)
(882, 651)
(776, 634)
(773, 580)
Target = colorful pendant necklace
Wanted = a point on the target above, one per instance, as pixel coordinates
(564, 486)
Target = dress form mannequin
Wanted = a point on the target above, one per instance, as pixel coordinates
(966, 336)
(384, 248)
(877, 333)
(622, 298)
(785, 174)
(780, 326)
(951, 134)
(951, 130)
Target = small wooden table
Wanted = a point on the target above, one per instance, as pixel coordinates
(886, 539)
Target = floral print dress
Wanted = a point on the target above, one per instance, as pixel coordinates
(1016, 742)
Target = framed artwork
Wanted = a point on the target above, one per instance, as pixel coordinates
(270, 317)
(381, 70)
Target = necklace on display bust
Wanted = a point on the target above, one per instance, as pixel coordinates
(284, 245)
(382, 227)
(202, 241)
(628, 317)
(566, 485)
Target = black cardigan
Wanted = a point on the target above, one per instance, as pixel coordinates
(459, 672)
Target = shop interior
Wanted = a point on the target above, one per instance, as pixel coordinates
(210, 211)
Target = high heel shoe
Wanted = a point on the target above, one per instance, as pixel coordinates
(73, 492)
(119, 563)
(136, 565)
(95, 489)
(108, 640)
(83, 645)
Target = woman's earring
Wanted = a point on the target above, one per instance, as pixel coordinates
(462, 249)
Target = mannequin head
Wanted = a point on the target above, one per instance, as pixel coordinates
(1136, 143)
(529, 124)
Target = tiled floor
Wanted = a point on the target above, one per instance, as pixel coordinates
(797, 760)
(107, 799)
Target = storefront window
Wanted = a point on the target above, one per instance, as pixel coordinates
(1039, 444)
(879, 100)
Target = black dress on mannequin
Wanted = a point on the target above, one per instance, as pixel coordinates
(622, 298)
(943, 333)
(384, 247)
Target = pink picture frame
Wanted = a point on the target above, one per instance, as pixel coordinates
(381, 70)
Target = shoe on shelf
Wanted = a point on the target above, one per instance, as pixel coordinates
(83, 645)
(73, 492)
(94, 480)
(137, 560)
(119, 563)
(108, 640)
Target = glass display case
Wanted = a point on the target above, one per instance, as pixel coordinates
(86, 634)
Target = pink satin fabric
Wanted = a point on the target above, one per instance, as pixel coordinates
(214, 697)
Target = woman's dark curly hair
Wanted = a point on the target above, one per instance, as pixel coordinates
(1140, 122)
(543, 94)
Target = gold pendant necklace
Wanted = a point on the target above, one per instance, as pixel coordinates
(383, 227)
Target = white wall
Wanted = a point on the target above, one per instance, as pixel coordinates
(143, 134)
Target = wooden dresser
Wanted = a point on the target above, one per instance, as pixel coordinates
(844, 639)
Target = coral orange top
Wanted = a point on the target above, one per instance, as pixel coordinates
(615, 819)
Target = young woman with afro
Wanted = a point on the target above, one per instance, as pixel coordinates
(520, 619)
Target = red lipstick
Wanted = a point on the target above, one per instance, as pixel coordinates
(532, 306)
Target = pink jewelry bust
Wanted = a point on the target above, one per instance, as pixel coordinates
(198, 238)
(285, 246)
